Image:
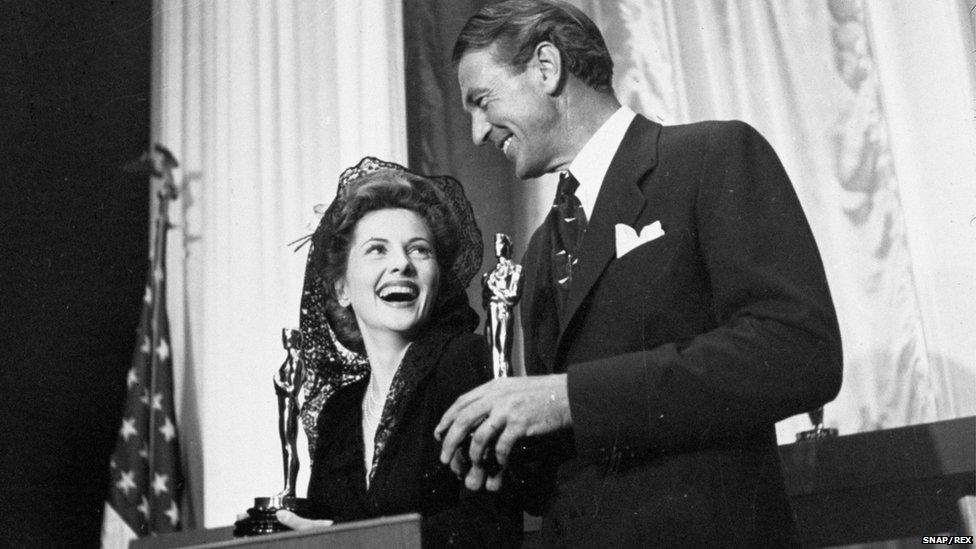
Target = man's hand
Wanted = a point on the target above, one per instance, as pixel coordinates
(503, 410)
(296, 522)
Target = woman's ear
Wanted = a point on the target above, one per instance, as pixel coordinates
(549, 63)
(340, 292)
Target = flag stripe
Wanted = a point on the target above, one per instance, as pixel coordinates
(116, 533)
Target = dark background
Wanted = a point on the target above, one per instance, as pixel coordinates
(74, 107)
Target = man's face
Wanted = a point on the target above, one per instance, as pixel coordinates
(511, 110)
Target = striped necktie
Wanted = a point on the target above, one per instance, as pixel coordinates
(569, 221)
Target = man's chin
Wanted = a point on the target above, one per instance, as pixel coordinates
(528, 172)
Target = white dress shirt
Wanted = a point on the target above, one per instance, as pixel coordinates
(591, 163)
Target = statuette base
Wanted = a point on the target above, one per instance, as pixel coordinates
(261, 519)
(817, 433)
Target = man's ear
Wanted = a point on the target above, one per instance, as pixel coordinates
(550, 66)
(340, 292)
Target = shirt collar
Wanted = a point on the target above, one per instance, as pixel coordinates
(592, 162)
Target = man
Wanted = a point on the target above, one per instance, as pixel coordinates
(672, 314)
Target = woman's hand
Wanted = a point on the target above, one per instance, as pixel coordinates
(296, 522)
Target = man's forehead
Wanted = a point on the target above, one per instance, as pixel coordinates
(497, 54)
(478, 59)
(472, 77)
(477, 65)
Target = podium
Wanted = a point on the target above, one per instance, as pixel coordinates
(882, 485)
(401, 531)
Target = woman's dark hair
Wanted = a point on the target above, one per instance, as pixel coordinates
(380, 190)
(518, 26)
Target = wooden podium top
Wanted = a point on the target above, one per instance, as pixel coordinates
(882, 485)
(401, 531)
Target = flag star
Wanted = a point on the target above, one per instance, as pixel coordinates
(173, 513)
(144, 507)
(146, 345)
(157, 401)
(168, 430)
(132, 378)
(144, 451)
(126, 482)
(144, 398)
(128, 428)
(147, 297)
(163, 350)
(158, 274)
(159, 484)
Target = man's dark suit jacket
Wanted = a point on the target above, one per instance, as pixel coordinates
(683, 353)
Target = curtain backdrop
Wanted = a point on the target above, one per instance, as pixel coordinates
(263, 103)
(870, 106)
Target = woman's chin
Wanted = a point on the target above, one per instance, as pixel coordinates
(402, 323)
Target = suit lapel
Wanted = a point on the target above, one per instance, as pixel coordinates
(538, 307)
(620, 200)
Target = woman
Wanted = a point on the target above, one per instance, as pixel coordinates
(389, 345)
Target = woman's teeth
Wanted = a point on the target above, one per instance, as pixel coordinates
(398, 293)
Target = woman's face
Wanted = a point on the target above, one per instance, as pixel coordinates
(391, 275)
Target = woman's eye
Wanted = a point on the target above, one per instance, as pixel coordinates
(376, 249)
(422, 251)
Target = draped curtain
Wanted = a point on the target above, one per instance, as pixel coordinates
(870, 105)
(263, 103)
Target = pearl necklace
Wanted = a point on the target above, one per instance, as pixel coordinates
(371, 406)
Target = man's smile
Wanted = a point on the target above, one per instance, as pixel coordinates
(505, 144)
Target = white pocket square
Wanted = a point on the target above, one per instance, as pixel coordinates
(628, 239)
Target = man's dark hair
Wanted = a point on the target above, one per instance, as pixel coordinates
(517, 26)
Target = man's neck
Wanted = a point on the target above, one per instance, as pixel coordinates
(584, 111)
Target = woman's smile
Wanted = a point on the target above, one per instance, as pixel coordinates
(399, 293)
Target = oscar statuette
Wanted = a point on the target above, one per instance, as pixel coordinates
(288, 384)
(501, 291)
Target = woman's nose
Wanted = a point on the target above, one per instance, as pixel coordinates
(400, 263)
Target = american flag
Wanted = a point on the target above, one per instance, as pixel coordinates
(146, 475)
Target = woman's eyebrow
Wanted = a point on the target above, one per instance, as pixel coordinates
(374, 239)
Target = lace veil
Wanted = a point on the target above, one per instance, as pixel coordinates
(329, 364)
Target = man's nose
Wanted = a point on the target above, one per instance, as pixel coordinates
(480, 128)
